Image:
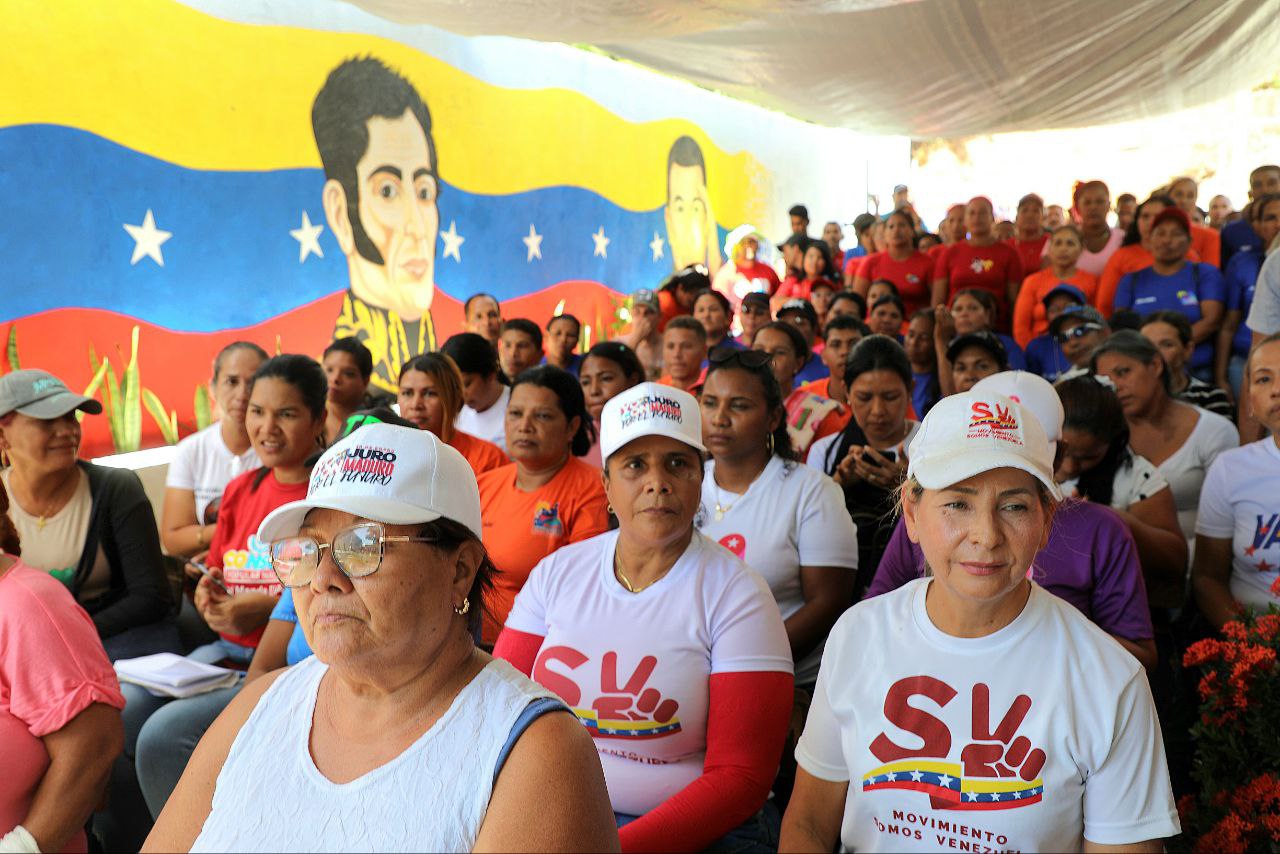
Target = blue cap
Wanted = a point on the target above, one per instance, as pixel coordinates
(1070, 290)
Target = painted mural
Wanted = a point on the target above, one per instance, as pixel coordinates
(173, 180)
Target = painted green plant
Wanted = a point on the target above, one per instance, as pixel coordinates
(203, 409)
(123, 399)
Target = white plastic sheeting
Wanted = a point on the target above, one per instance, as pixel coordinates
(922, 68)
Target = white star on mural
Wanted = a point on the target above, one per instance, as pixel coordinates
(1017, 796)
(533, 242)
(602, 244)
(147, 239)
(915, 776)
(891, 776)
(452, 242)
(995, 796)
(945, 781)
(656, 246)
(308, 237)
(972, 796)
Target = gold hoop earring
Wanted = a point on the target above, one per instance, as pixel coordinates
(769, 444)
(462, 611)
(608, 509)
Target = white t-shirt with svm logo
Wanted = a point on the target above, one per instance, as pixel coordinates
(1033, 738)
(635, 667)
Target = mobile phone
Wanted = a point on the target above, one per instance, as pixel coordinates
(204, 570)
(888, 455)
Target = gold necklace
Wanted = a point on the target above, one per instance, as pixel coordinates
(626, 582)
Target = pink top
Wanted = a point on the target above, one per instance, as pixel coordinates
(52, 667)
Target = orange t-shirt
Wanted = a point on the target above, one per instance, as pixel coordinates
(666, 379)
(670, 308)
(1126, 260)
(1028, 313)
(1207, 243)
(482, 455)
(521, 528)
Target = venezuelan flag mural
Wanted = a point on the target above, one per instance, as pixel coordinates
(204, 179)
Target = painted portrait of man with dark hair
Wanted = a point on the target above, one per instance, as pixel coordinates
(691, 225)
(380, 199)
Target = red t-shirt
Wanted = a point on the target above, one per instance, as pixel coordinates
(1029, 252)
(801, 288)
(521, 528)
(482, 455)
(913, 277)
(758, 271)
(988, 268)
(244, 559)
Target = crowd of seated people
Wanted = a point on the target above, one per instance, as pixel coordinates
(640, 594)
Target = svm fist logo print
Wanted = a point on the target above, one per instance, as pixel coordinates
(995, 416)
(998, 768)
(631, 710)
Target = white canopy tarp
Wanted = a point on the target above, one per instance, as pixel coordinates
(920, 68)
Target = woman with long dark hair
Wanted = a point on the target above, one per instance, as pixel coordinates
(770, 510)
(867, 459)
(1097, 464)
(431, 397)
(547, 497)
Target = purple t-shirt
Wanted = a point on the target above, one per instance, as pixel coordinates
(1090, 561)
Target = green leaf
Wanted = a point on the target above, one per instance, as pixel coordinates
(132, 418)
(155, 408)
(115, 417)
(12, 349)
(91, 389)
(204, 413)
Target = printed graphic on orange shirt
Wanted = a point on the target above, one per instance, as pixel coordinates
(998, 769)
(546, 519)
(630, 710)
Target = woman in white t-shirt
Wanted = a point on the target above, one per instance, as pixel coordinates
(1003, 719)
(1238, 531)
(210, 459)
(1179, 439)
(669, 650)
(776, 514)
(1098, 465)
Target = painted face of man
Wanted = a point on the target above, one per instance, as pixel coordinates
(397, 211)
(686, 216)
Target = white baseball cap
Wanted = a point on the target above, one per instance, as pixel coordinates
(387, 473)
(974, 432)
(1035, 393)
(650, 409)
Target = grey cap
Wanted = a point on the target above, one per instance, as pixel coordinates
(1084, 313)
(646, 297)
(39, 394)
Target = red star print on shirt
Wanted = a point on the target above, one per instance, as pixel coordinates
(735, 543)
(1265, 567)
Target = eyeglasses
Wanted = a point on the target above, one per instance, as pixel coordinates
(750, 359)
(356, 550)
(1078, 332)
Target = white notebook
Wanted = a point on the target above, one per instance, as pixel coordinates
(167, 675)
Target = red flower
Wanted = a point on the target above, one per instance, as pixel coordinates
(1203, 652)
(1267, 626)
(1275, 587)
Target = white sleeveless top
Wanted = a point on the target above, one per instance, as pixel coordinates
(432, 797)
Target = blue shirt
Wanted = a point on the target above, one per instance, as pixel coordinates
(1045, 357)
(812, 371)
(1242, 279)
(856, 252)
(924, 392)
(1238, 236)
(1146, 291)
(1017, 359)
(284, 610)
(575, 363)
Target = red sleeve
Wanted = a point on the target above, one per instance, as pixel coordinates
(747, 721)
(942, 264)
(519, 649)
(852, 266)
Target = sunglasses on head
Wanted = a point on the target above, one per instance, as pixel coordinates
(750, 359)
(1078, 331)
